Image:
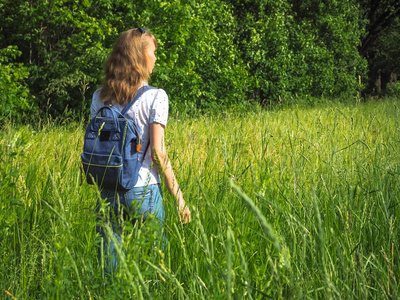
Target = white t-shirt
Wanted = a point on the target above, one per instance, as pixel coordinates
(150, 107)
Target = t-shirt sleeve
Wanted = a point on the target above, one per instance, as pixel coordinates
(159, 108)
(96, 104)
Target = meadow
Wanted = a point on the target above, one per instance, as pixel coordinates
(299, 203)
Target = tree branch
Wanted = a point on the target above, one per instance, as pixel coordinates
(378, 24)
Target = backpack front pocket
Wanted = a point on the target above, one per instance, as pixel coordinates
(104, 170)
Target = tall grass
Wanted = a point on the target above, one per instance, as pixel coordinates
(289, 204)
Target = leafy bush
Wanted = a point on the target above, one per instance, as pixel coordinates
(14, 93)
(306, 48)
(393, 89)
(198, 63)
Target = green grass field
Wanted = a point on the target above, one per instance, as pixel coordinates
(286, 204)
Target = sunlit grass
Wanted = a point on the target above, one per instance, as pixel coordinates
(294, 203)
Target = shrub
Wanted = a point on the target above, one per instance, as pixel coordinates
(14, 93)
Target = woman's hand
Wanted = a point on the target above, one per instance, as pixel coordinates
(184, 212)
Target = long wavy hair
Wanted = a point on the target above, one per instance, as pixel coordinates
(126, 67)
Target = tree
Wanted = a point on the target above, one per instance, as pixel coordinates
(378, 46)
(62, 48)
(64, 44)
(301, 48)
(199, 64)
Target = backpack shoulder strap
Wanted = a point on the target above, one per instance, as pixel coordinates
(140, 92)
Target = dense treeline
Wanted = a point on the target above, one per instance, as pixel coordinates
(212, 53)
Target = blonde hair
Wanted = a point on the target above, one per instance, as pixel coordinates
(127, 66)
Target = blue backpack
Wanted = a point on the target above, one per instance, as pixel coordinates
(111, 147)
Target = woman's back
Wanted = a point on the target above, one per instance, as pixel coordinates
(127, 71)
(150, 107)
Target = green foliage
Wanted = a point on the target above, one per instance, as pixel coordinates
(62, 48)
(263, 39)
(381, 42)
(198, 63)
(65, 43)
(14, 93)
(211, 55)
(386, 52)
(329, 47)
(306, 48)
(393, 90)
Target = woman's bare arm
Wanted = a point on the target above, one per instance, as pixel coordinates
(160, 159)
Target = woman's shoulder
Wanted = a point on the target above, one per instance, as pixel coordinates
(153, 94)
(159, 106)
(96, 94)
(151, 90)
(96, 103)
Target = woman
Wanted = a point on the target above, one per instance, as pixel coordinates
(127, 70)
